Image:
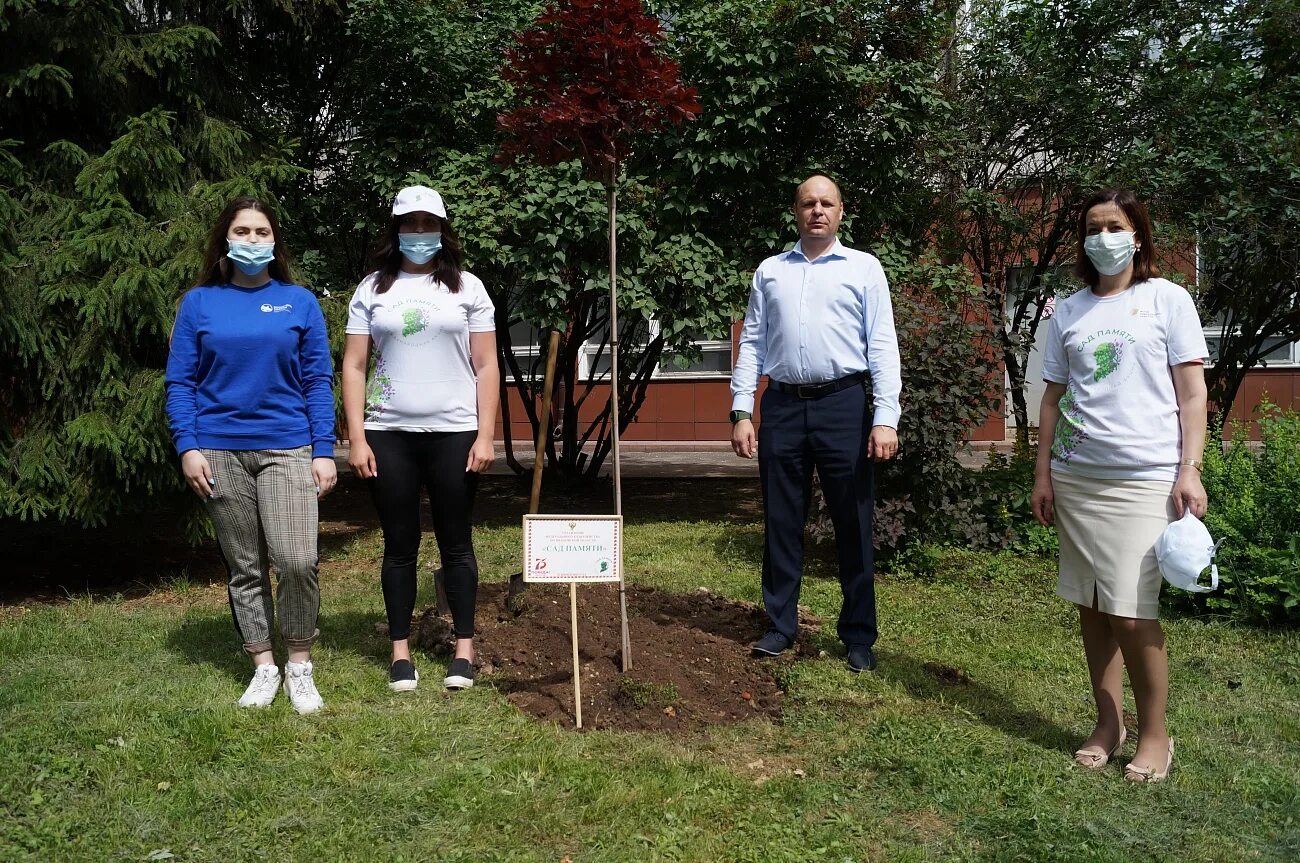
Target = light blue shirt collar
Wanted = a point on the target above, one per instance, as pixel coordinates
(835, 251)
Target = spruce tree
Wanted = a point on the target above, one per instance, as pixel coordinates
(120, 143)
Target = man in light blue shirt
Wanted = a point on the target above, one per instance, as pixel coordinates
(819, 324)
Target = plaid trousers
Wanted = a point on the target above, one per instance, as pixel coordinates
(263, 505)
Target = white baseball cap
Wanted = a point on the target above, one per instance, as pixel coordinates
(415, 199)
(1184, 550)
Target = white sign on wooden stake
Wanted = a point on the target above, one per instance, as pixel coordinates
(568, 548)
(572, 549)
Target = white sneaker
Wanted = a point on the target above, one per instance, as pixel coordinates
(300, 688)
(262, 688)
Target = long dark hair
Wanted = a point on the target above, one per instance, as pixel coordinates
(217, 267)
(446, 263)
(1144, 259)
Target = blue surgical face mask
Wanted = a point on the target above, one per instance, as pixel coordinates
(420, 248)
(251, 258)
(1110, 251)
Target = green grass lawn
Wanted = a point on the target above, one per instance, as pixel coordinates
(119, 738)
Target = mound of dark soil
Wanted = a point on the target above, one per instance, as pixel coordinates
(691, 666)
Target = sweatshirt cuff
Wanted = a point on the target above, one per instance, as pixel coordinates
(886, 417)
(322, 449)
(185, 443)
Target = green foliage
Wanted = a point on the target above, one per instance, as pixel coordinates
(1050, 98)
(959, 133)
(108, 187)
(950, 388)
(538, 238)
(1255, 509)
(1009, 479)
(1230, 170)
(790, 88)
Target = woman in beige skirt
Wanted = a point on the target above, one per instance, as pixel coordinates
(1124, 367)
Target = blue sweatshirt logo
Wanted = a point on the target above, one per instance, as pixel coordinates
(287, 307)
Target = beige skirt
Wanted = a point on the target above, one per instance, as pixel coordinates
(1108, 530)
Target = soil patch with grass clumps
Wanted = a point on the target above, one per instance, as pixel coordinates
(691, 666)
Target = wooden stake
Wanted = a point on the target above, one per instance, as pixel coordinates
(515, 590)
(577, 672)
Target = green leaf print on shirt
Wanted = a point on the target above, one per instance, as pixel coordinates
(1108, 357)
(1069, 428)
(413, 320)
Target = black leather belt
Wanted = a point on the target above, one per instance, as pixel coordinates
(816, 391)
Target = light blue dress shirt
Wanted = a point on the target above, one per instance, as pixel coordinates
(810, 322)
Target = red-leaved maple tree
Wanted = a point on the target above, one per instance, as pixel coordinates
(588, 77)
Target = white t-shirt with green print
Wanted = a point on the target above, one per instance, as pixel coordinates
(1119, 414)
(423, 378)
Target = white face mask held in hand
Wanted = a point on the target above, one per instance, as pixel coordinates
(1184, 550)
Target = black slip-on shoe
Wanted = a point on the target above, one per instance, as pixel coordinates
(772, 644)
(402, 676)
(460, 674)
(861, 658)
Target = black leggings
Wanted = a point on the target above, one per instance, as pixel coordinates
(405, 461)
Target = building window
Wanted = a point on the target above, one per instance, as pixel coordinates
(714, 362)
(1278, 353)
(528, 343)
(527, 346)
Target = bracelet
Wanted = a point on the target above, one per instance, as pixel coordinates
(1191, 462)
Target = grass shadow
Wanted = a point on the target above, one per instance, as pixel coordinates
(207, 637)
(130, 558)
(937, 682)
(361, 633)
(134, 558)
(743, 548)
(503, 500)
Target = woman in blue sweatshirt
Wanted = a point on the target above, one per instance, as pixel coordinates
(251, 409)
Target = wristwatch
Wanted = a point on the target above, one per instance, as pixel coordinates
(1191, 462)
(737, 416)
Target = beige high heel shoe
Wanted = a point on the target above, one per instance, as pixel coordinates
(1134, 773)
(1095, 759)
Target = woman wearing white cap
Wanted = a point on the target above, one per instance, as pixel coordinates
(427, 417)
(1122, 433)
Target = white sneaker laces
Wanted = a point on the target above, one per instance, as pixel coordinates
(264, 679)
(302, 683)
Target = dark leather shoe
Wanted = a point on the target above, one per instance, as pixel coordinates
(772, 644)
(861, 658)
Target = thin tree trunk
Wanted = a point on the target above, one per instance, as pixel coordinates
(544, 427)
(507, 438)
(1019, 405)
(611, 187)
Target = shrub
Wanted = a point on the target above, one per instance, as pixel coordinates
(1009, 480)
(1254, 494)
